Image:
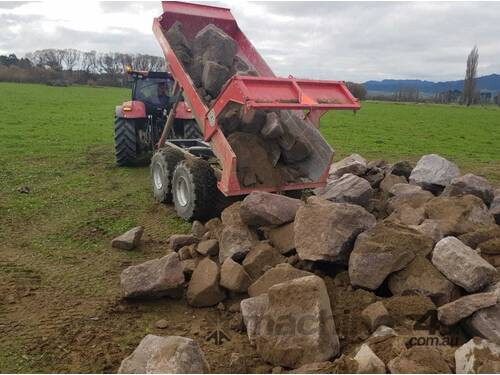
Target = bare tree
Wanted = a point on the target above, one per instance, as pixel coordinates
(357, 89)
(470, 77)
(71, 57)
(47, 58)
(89, 62)
(109, 63)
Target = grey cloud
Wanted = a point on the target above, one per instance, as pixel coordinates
(12, 4)
(128, 6)
(29, 38)
(326, 40)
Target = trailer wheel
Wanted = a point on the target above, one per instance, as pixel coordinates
(125, 142)
(162, 168)
(191, 130)
(195, 191)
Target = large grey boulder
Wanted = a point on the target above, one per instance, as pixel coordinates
(198, 229)
(279, 274)
(416, 199)
(262, 255)
(253, 310)
(462, 265)
(165, 355)
(453, 312)
(348, 189)
(231, 215)
(402, 168)
(495, 206)
(433, 172)
(272, 128)
(486, 322)
(213, 44)
(420, 277)
(403, 188)
(235, 242)
(419, 360)
(179, 43)
(430, 228)
(204, 289)
(282, 237)
(129, 239)
(214, 227)
(477, 356)
(458, 215)
(213, 77)
(252, 120)
(233, 277)
(376, 315)
(288, 342)
(154, 278)
(262, 208)
(368, 362)
(479, 237)
(386, 248)
(389, 181)
(374, 176)
(470, 184)
(326, 231)
(208, 248)
(354, 164)
(177, 241)
(407, 215)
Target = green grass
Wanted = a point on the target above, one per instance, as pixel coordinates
(59, 142)
(392, 131)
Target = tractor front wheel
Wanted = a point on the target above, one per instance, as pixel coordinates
(125, 142)
(195, 191)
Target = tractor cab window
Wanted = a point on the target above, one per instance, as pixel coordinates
(152, 91)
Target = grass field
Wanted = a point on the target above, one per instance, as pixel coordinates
(60, 308)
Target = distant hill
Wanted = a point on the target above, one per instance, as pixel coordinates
(486, 83)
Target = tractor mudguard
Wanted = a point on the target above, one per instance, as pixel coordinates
(131, 109)
(183, 112)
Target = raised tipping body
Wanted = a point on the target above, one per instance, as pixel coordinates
(309, 99)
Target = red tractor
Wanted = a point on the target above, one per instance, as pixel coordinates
(140, 121)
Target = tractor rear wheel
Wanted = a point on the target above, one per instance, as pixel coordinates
(191, 130)
(195, 191)
(125, 142)
(162, 168)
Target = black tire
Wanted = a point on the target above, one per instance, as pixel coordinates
(195, 192)
(125, 142)
(191, 130)
(162, 168)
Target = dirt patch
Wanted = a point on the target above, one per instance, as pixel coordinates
(347, 305)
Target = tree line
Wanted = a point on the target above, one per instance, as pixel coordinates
(69, 66)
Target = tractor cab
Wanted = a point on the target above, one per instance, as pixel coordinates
(153, 89)
(139, 122)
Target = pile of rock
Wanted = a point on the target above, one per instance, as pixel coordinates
(273, 148)
(380, 246)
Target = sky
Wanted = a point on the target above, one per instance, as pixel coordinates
(355, 41)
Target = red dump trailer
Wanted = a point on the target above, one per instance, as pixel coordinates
(308, 98)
